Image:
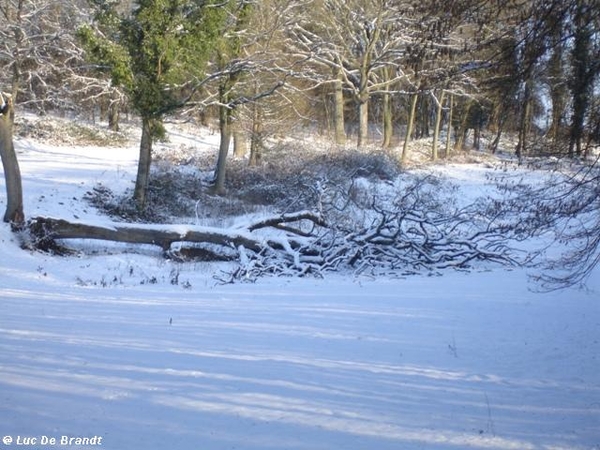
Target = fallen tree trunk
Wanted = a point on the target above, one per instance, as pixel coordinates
(45, 231)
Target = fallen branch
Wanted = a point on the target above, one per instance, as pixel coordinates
(47, 231)
(408, 234)
(278, 221)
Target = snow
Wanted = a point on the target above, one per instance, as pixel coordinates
(151, 354)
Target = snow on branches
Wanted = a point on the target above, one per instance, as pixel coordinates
(404, 230)
(396, 230)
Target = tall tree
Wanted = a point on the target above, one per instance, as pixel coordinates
(585, 65)
(251, 54)
(228, 54)
(158, 52)
(556, 78)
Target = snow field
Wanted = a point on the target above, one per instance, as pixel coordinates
(416, 363)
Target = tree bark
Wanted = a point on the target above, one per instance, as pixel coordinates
(556, 71)
(388, 128)
(363, 118)
(436, 129)
(338, 115)
(256, 140)
(240, 146)
(498, 121)
(409, 126)
(524, 121)
(12, 174)
(464, 128)
(143, 174)
(17, 51)
(582, 78)
(449, 126)
(113, 116)
(422, 128)
(225, 128)
(47, 230)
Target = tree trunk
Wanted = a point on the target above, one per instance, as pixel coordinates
(256, 140)
(464, 128)
(409, 126)
(240, 146)
(388, 128)
(47, 230)
(461, 137)
(524, 121)
(12, 174)
(17, 51)
(477, 137)
(576, 131)
(496, 141)
(557, 86)
(16, 78)
(363, 117)
(436, 129)
(362, 97)
(338, 115)
(143, 174)
(422, 124)
(225, 129)
(113, 116)
(449, 126)
(582, 78)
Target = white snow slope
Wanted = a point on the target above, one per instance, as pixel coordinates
(104, 347)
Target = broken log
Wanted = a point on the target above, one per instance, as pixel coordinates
(46, 231)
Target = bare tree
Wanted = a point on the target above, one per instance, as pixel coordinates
(39, 50)
(255, 67)
(354, 41)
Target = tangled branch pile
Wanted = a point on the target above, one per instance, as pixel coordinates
(358, 226)
(367, 232)
(561, 210)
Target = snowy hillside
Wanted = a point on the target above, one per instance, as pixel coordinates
(126, 350)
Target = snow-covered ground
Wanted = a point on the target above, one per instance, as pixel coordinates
(136, 352)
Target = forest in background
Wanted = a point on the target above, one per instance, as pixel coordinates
(364, 72)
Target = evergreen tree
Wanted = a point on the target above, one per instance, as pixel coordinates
(157, 52)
